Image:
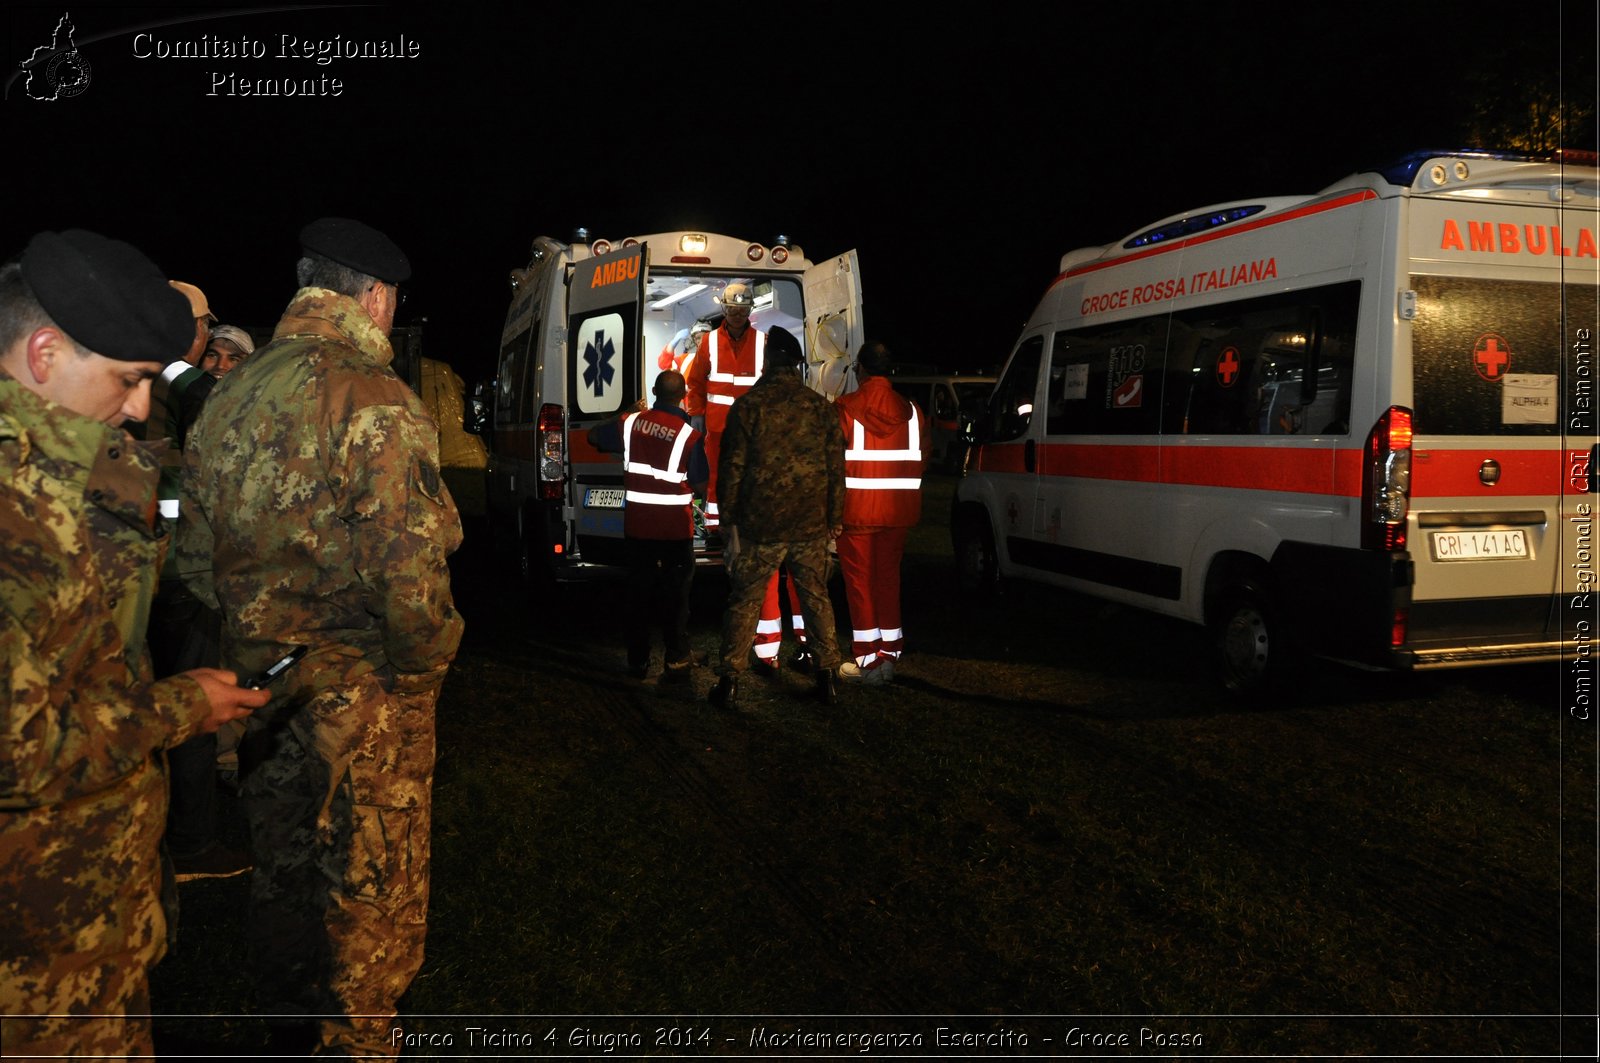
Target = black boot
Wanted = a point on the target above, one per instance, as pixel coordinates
(805, 662)
(725, 695)
(827, 690)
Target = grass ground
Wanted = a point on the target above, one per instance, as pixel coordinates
(1052, 812)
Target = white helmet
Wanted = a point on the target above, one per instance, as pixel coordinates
(736, 294)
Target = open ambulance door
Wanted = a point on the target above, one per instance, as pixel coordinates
(605, 301)
(834, 332)
(605, 357)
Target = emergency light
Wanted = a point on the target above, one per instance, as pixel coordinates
(1196, 224)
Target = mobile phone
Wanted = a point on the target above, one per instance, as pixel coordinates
(261, 679)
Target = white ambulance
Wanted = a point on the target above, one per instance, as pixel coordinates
(1357, 424)
(591, 324)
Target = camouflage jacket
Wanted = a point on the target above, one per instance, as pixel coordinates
(83, 795)
(315, 514)
(780, 475)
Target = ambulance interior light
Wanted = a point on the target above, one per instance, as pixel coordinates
(678, 296)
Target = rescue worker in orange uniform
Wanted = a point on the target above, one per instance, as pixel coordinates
(886, 446)
(663, 464)
(728, 363)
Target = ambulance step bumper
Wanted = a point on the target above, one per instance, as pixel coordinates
(1433, 658)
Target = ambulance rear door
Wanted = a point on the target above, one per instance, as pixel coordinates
(1505, 304)
(834, 332)
(605, 370)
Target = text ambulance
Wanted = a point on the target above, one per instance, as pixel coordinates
(1358, 423)
(590, 326)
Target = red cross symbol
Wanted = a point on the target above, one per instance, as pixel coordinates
(1491, 356)
(1228, 367)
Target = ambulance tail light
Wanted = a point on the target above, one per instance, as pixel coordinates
(1397, 627)
(1386, 491)
(552, 452)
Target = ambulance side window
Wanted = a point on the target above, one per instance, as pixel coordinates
(1069, 387)
(1011, 408)
(1277, 365)
(511, 394)
(528, 378)
(1107, 380)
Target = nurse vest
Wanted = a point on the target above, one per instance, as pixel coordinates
(882, 474)
(655, 476)
(723, 382)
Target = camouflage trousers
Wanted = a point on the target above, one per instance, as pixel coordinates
(748, 578)
(81, 921)
(339, 797)
(109, 1001)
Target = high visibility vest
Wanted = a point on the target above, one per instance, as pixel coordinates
(883, 475)
(723, 384)
(655, 476)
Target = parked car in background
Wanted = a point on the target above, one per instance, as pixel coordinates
(951, 403)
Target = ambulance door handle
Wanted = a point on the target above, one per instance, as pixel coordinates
(1030, 453)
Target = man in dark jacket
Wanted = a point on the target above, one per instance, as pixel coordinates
(781, 477)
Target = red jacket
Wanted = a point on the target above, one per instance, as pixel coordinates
(886, 446)
(722, 371)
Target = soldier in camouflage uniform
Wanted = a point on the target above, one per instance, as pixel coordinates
(317, 517)
(85, 324)
(781, 484)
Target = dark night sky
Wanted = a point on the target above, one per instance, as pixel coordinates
(961, 156)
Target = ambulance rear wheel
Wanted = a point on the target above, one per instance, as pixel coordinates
(977, 563)
(1249, 640)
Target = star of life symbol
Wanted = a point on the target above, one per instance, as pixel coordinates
(596, 356)
(58, 70)
(598, 369)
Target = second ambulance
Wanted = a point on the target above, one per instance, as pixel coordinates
(1359, 423)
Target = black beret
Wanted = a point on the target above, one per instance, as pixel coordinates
(359, 246)
(783, 350)
(108, 296)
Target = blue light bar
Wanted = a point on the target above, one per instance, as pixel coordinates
(1198, 223)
